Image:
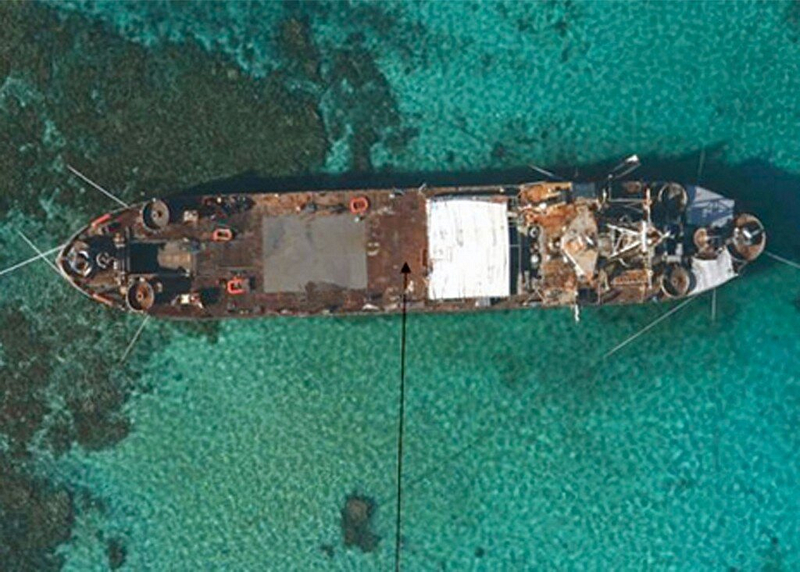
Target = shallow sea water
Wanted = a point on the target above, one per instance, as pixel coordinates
(525, 448)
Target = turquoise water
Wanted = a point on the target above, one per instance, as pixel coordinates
(234, 447)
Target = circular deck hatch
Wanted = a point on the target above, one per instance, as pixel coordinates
(141, 296)
(677, 281)
(155, 215)
(749, 238)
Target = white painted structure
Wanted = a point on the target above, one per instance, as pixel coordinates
(712, 273)
(468, 248)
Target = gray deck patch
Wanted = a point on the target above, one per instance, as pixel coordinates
(707, 208)
(326, 249)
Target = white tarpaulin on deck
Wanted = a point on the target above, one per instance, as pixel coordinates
(712, 273)
(468, 249)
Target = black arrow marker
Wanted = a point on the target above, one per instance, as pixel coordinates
(401, 419)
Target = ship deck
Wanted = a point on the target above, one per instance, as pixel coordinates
(304, 253)
(341, 252)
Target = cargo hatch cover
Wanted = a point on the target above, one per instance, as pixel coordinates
(317, 251)
(468, 248)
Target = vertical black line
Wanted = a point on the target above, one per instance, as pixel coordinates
(400, 429)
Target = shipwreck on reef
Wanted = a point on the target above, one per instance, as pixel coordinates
(539, 244)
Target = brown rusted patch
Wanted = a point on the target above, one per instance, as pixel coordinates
(541, 192)
(398, 236)
(632, 285)
(559, 282)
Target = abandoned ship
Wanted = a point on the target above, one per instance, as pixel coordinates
(540, 244)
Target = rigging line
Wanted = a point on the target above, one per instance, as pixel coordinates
(588, 370)
(652, 324)
(32, 259)
(783, 260)
(39, 253)
(700, 164)
(713, 305)
(546, 173)
(135, 337)
(519, 416)
(96, 186)
(401, 422)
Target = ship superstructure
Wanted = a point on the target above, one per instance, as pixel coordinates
(545, 243)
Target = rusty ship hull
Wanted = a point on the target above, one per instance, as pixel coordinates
(539, 244)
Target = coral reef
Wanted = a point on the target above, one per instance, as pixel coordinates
(36, 518)
(147, 122)
(116, 553)
(357, 523)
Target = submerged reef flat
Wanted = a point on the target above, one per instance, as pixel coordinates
(35, 517)
(146, 122)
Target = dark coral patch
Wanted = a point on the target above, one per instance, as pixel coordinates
(36, 518)
(163, 119)
(365, 97)
(24, 374)
(357, 523)
(297, 44)
(116, 552)
(792, 19)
